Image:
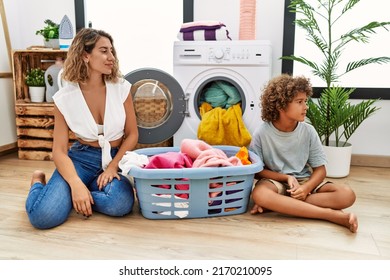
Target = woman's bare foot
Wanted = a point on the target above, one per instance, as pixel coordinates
(38, 176)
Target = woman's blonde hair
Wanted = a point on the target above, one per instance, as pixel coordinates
(75, 69)
(279, 92)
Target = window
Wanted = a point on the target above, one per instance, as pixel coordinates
(370, 81)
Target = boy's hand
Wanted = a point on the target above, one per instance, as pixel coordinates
(296, 191)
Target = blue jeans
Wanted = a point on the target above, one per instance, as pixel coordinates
(49, 205)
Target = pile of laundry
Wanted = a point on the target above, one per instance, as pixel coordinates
(221, 116)
(203, 31)
(193, 154)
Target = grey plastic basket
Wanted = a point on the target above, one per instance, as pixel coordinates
(197, 199)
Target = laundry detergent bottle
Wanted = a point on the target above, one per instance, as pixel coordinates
(51, 79)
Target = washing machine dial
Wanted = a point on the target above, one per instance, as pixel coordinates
(218, 53)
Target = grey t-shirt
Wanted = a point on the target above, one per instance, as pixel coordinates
(290, 153)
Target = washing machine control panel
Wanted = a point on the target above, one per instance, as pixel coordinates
(235, 55)
(222, 52)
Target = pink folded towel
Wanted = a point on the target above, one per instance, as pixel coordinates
(204, 155)
(193, 148)
(215, 158)
(171, 160)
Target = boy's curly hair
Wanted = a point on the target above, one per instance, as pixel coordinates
(279, 92)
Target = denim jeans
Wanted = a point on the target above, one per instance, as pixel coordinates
(49, 205)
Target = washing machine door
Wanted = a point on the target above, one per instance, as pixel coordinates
(158, 102)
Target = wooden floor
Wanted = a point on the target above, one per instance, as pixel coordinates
(269, 236)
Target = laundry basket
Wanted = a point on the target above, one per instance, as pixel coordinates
(203, 192)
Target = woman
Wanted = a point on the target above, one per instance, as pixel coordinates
(96, 105)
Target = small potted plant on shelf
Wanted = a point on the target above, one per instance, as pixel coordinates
(333, 116)
(50, 33)
(35, 80)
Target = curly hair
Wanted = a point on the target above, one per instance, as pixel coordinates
(75, 69)
(279, 92)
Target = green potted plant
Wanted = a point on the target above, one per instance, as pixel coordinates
(50, 33)
(333, 116)
(35, 80)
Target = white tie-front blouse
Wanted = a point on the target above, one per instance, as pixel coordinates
(71, 103)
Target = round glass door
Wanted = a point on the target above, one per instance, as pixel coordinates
(159, 104)
(152, 103)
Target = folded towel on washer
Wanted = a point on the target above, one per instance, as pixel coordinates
(203, 31)
(220, 126)
(200, 24)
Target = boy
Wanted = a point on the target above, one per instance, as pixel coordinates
(292, 180)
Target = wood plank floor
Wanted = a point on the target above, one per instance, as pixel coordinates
(269, 236)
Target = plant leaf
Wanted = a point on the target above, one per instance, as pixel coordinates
(377, 60)
(303, 60)
(357, 114)
(349, 5)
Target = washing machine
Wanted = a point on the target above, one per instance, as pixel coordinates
(242, 64)
(167, 107)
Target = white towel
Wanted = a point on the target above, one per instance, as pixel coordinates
(131, 159)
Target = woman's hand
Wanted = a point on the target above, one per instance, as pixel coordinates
(107, 176)
(82, 199)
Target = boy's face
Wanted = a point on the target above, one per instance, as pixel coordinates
(296, 110)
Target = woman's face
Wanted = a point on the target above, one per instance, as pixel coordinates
(101, 59)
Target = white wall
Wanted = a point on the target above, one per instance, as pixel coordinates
(23, 18)
(156, 30)
(7, 111)
(370, 139)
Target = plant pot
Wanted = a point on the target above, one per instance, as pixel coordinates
(52, 43)
(339, 160)
(37, 94)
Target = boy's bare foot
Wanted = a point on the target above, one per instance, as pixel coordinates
(256, 209)
(38, 176)
(349, 220)
(352, 223)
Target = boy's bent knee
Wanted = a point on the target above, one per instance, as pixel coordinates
(349, 195)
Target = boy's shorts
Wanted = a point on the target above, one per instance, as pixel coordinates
(283, 187)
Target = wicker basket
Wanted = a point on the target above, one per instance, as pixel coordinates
(150, 111)
(210, 191)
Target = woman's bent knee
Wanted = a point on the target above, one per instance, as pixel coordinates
(116, 201)
(42, 219)
(122, 205)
